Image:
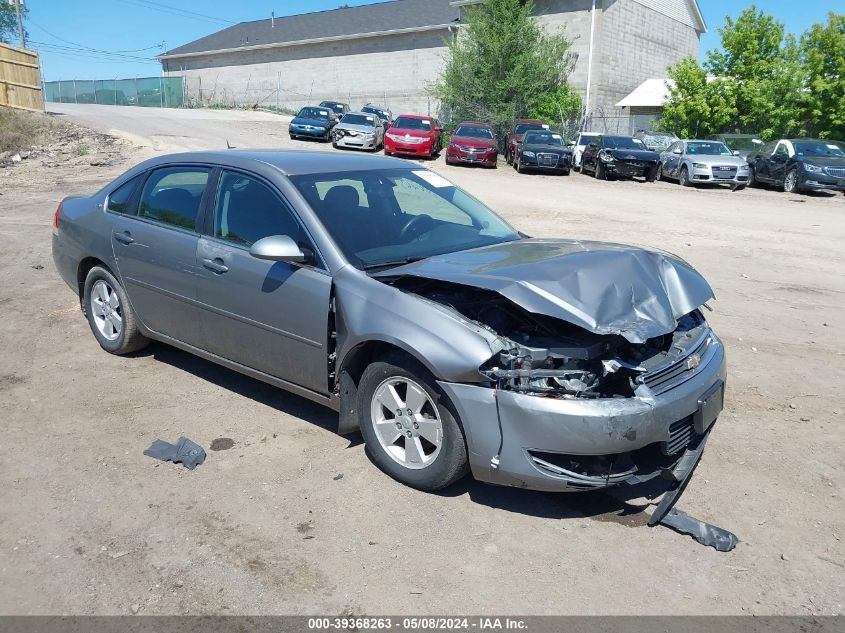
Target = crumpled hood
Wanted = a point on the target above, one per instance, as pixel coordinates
(634, 154)
(356, 127)
(604, 288)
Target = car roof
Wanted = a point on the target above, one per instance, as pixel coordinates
(332, 102)
(524, 121)
(473, 124)
(414, 116)
(288, 162)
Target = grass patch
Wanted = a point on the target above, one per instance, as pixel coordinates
(82, 150)
(20, 129)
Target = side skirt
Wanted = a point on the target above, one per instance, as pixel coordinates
(333, 402)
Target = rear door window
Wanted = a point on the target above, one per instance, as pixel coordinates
(172, 195)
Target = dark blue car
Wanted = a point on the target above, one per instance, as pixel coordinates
(313, 122)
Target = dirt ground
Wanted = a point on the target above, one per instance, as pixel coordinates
(89, 525)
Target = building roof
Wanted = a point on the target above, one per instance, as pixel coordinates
(652, 93)
(686, 11)
(382, 18)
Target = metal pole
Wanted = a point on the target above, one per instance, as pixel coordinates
(20, 23)
(590, 64)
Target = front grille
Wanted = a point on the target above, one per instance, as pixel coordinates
(724, 171)
(836, 172)
(547, 160)
(685, 367)
(680, 435)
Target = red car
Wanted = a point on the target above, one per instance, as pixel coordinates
(473, 143)
(413, 135)
(519, 129)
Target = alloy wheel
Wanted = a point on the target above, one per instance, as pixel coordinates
(106, 309)
(790, 181)
(406, 422)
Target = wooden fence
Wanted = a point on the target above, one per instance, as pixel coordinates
(20, 78)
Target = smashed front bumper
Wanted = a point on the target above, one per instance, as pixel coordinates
(553, 444)
(358, 141)
(631, 169)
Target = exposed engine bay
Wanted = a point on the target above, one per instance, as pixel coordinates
(546, 356)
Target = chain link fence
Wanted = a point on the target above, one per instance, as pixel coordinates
(152, 92)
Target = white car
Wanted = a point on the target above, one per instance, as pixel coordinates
(584, 139)
(359, 130)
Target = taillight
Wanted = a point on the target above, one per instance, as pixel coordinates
(56, 216)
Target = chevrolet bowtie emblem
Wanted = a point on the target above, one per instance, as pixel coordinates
(693, 361)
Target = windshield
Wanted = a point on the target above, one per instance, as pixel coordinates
(471, 131)
(359, 119)
(543, 138)
(390, 215)
(408, 123)
(818, 149)
(313, 113)
(708, 149)
(622, 142)
(381, 113)
(586, 139)
(743, 143)
(522, 128)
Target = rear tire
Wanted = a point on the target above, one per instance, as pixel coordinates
(426, 449)
(110, 315)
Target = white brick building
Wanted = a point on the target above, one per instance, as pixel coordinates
(390, 51)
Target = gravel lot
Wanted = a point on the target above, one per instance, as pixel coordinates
(90, 525)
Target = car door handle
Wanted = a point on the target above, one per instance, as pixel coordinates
(215, 265)
(123, 238)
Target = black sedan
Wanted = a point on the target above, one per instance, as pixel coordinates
(799, 165)
(624, 156)
(339, 108)
(542, 150)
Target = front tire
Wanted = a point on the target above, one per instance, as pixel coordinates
(600, 171)
(790, 182)
(683, 178)
(410, 429)
(109, 313)
(659, 174)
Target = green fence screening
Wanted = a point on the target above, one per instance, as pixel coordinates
(151, 92)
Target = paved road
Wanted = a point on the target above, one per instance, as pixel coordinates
(90, 525)
(177, 130)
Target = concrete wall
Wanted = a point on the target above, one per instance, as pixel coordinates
(394, 69)
(632, 43)
(637, 43)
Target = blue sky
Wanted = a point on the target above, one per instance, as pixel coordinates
(112, 38)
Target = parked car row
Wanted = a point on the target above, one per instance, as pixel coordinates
(739, 160)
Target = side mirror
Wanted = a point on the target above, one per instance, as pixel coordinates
(736, 152)
(278, 248)
(678, 151)
(570, 143)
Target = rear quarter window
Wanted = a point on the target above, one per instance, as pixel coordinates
(120, 200)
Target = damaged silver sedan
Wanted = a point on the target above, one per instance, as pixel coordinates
(452, 341)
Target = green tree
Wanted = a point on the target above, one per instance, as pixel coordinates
(823, 58)
(754, 82)
(698, 106)
(563, 109)
(9, 22)
(502, 64)
(764, 64)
